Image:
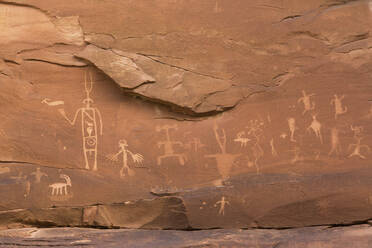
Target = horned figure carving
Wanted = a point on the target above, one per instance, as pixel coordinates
(61, 188)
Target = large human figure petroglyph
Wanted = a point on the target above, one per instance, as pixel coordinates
(38, 175)
(306, 100)
(337, 102)
(224, 160)
(168, 145)
(335, 142)
(316, 127)
(255, 131)
(292, 128)
(90, 117)
(136, 157)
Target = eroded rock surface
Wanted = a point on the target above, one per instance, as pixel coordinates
(111, 113)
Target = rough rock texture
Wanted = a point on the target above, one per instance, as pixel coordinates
(183, 114)
(312, 237)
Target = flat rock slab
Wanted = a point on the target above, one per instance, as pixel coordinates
(319, 237)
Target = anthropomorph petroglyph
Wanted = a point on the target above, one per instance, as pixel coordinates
(297, 155)
(316, 127)
(273, 150)
(357, 148)
(90, 118)
(168, 145)
(357, 130)
(306, 100)
(27, 188)
(335, 142)
(255, 131)
(224, 160)
(292, 128)
(222, 204)
(136, 157)
(337, 102)
(240, 137)
(195, 144)
(22, 179)
(38, 175)
(61, 188)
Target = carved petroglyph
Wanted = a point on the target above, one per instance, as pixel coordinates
(283, 136)
(38, 175)
(273, 150)
(89, 118)
(358, 149)
(255, 130)
(240, 137)
(337, 102)
(315, 126)
(224, 160)
(195, 144)
(59, 190)
(136, 157)
(292, 128)
(168, 145)
(297, 155)
(306, 100)
(335, 142)
(357, 130)
(222, 204)
(27, 189)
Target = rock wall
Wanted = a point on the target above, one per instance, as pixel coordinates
(185, 114)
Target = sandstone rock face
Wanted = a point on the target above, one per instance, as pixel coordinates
(176, 114)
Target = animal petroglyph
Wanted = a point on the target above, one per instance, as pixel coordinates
(224, 160)
(240, 137)
(89, 118)
(358, 148)
(61, 188)
(273, 150)
(38, 175)
(335, 142)
(292, 128)
(315, 126)
(136, 157)
(337, 102)
(168, 145)
(306, 100)
(222, 204)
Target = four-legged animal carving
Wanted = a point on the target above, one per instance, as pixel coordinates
(61, 188)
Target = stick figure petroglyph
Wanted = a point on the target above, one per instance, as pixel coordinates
(224, 160)
(357, 149)
(61, 188)
(136, 157)
(308, 104)
(38, 175)
(89, 118)
(335, 142)
(222, 204)
(292, 127)
(241, 139)
(168, 145)
(316, 127)
(337, 102)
